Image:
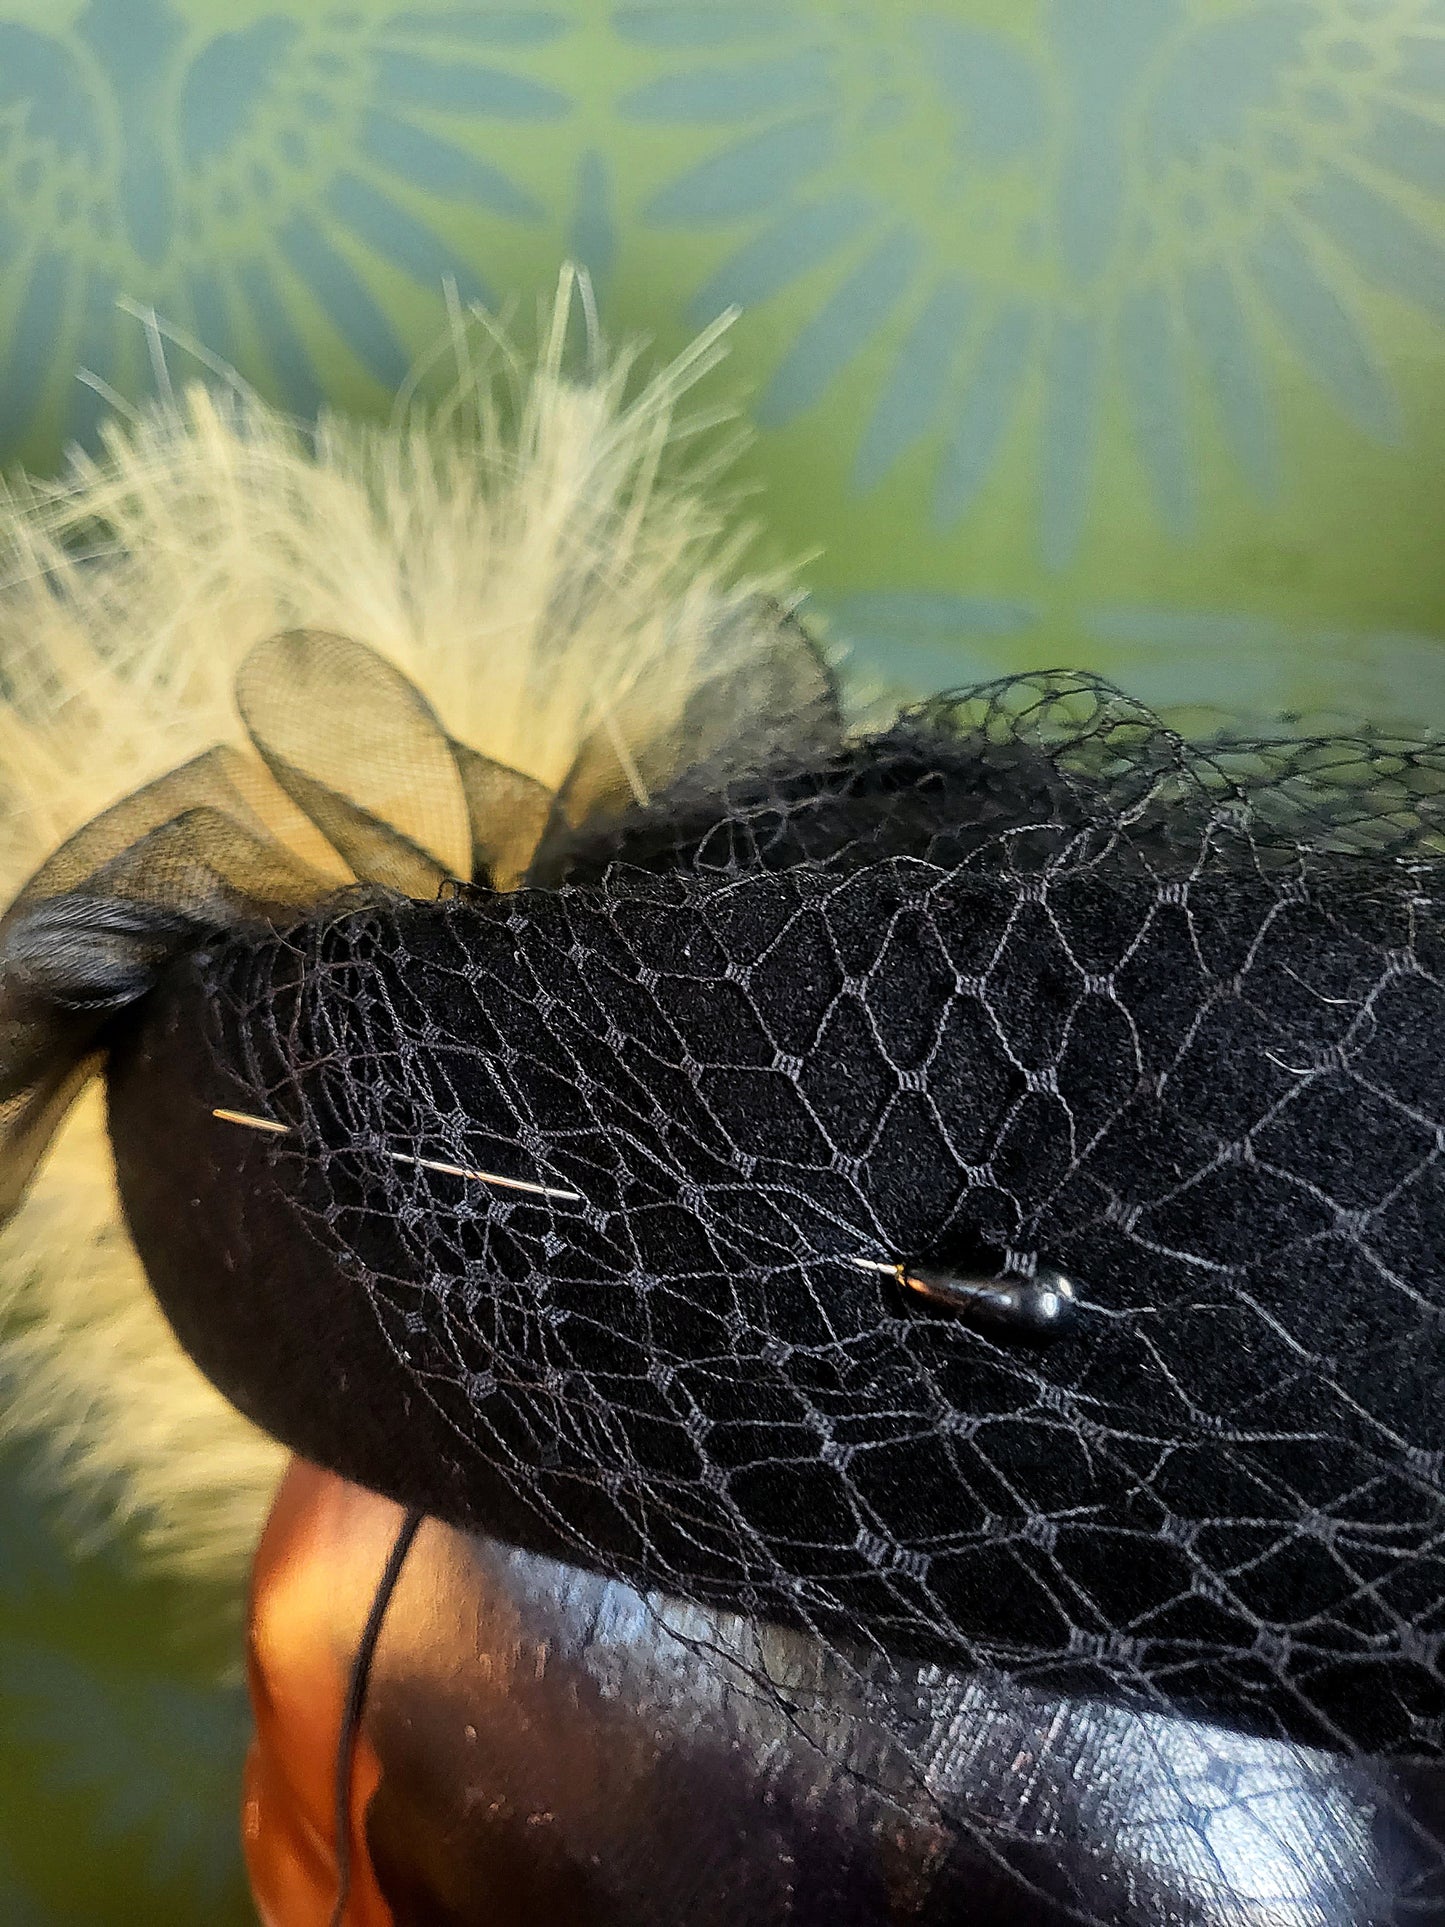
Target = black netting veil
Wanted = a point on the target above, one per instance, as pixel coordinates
(1016, 983)
(1023, 983)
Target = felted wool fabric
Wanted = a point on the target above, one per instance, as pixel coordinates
(471, 807)
(1103, 1014)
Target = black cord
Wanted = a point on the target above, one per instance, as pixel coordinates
(356, 1701)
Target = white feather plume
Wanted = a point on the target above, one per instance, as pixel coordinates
(543, 550)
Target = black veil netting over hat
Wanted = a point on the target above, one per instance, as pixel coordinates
(1022, 983)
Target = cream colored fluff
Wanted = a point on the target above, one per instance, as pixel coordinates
(542, 552)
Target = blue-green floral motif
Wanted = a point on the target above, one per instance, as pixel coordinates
(1091, 331)
(255, 185)
(1158, 208)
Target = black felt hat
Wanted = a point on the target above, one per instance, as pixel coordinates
(967, 1185)
(596, 1213)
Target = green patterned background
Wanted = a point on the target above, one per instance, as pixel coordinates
(1091, 331)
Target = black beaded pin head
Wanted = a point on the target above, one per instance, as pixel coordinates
(1012, 1305)
(1015, 1306)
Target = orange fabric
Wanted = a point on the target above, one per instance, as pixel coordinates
(316, 1571)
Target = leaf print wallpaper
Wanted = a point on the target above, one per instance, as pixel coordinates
(1109, 334)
